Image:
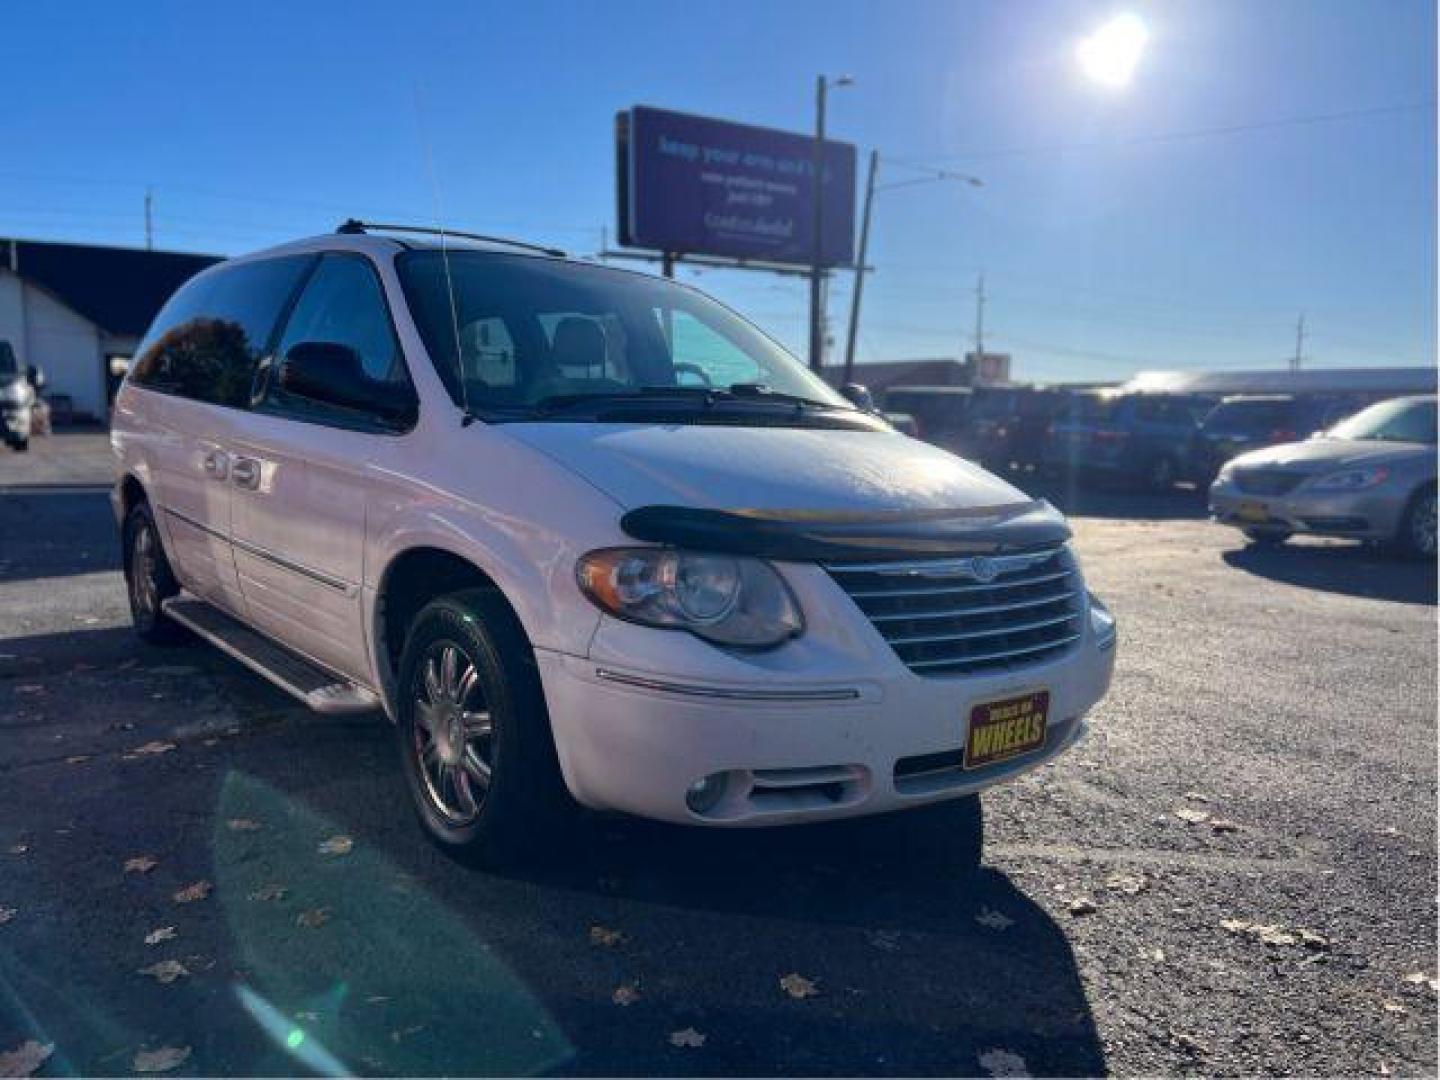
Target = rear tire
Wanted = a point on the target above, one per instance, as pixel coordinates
(149, 581)
(1416, 535)
(474, 735)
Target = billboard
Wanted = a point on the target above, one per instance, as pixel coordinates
(690, 185)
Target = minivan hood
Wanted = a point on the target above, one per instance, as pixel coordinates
(764, 468)
(1320, 455)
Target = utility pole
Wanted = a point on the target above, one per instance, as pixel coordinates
(149, 222)
(860, 271)
(979, 320)
(817, 221)
(1299, 344)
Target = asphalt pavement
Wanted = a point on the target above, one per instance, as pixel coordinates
(1235, 874)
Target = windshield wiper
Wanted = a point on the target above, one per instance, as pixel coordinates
(557, 403)
(761, 392)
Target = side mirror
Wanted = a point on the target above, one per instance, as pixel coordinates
(36, 377)
(333, 374)
(858, 396)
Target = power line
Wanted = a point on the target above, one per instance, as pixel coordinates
(1174, 136)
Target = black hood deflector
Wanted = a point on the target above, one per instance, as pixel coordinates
(824, 536)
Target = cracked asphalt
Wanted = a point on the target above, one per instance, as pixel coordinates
(1235, 874)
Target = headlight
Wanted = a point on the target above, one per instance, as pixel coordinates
(1351, 479)
(12, 393)
(725, 599)
(1102, 623)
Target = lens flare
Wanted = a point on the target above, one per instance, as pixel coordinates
(1109, 55)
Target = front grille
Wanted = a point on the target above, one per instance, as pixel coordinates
(1266, 481)
(943, 618)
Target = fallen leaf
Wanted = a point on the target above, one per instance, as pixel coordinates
(1003, 1063)
(164, 933)
(605, 937)
(1129, 884)
(1223, 825)
(197, 891)
(1195, 796)
(25, 1059)
(1273, 935)
(337, 845)
(166, 971)
(314, 918)
(272, 891)
(240, 824)
(798, 986)
(1394, 1007)
(1082, 905)
(161, 1060)
(156, 747)
(6, 914)
(1419, 978)
(687, 1037)
(140, 864)
(1192, 816)
(626, 994)
(1157, 955)
(994, 920)
(1190, 1044)
(1311, 940)
(1235, 926)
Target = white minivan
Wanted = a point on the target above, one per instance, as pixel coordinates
(585, 535)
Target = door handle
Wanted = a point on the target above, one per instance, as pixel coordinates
(246, 473)
(216, 464)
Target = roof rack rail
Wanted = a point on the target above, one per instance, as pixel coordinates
(353, 226)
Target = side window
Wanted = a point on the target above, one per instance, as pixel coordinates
(343, 305)
(206, 342)
(701, 356)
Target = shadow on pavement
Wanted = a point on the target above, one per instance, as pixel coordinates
(1348, 569)
(61, 530)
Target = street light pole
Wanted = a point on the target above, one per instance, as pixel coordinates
(931, 176)
(817, 221)
(860, 271)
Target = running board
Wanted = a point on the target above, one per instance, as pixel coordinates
(320, 689)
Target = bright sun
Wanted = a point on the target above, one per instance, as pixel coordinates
(1109, 55)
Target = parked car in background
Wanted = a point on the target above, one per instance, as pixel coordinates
(18, 396)
(940, 412)
(585, 534)
(1244, 422)
(1370, 477)
(1007, 426)
(1150, 440)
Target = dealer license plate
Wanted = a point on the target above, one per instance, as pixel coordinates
(1005, 729)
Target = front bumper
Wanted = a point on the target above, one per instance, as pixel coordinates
(15, 422)
(635, 740)
(1372, 514)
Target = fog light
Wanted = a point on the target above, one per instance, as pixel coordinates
(702, 795)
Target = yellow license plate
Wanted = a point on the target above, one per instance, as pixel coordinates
(1005, 729)
(1253, 511)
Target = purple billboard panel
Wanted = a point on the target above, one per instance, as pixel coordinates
(695, 186)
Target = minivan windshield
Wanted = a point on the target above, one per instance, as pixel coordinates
(532, 335)
(1399, 420)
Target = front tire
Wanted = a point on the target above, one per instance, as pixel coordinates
(149, 581)
(474, 735)
(1416, 537)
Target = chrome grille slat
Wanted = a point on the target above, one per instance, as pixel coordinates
(1058, 643)
(970, 635)
(998, 583)
(943, 619)
(991, 609)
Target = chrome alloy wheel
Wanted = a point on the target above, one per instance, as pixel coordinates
(144, 593)
(454, 738)
(1422, 526)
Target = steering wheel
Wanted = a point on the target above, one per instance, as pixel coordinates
(691, 369)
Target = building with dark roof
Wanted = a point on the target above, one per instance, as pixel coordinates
(78, 311)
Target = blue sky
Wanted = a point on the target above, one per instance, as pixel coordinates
(1270, 156)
